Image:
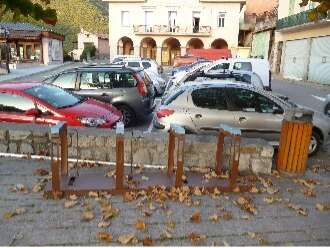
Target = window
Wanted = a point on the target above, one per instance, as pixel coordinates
(15, 103)
(243, 66)
(196, 21)
(250, 101)
(122, 80)
(87, 81)
(221, 19)
(133, 64)
(66, 80)
(54, 96)
(149, 20)
(211, 98)
(172, 97)
(222, 66)
(146, 65)
(125, 18)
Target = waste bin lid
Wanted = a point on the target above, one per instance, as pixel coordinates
(299, 114)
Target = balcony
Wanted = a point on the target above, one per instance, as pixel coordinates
(170, 31)
(299, 19)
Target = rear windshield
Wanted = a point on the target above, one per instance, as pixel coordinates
(133, 64)
(145, 78)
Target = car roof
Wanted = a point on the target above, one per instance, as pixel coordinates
(108, 67)
(216, 82)
(18, 86)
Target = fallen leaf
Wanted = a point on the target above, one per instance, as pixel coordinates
(144, 178)
(195, 217)
(111, 173)
(129, 196)
(20, 211)
(104, 236)
(73, 197)
(252, 235)
(214, 218)
(93, 194)
(147, 241)
(70, 204)
(246, 204)
(254, 190)
(126, 238)
(170, 224)
(225, 243)
(298, 209)
(103, 224)
(8, 215)
(322, 207)
(166, 235)
(197, 203)
(196, 238)
(197, 191)
(37, 188)
(140, 225)
(309, 192)
(227, 216)
(245, 217)
(41, 172)
(87, 216)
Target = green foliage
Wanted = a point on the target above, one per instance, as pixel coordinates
(320, 11)
(28, 8)
(89, 52)
(72, 15)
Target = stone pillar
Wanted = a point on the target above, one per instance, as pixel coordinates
(309, 50)
(183, 51)
(159, 55)
(137, 50)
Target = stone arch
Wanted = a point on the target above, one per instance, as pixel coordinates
(219, 44)
(171, 49)
(148, 48)
(125, 46)
(194, 43)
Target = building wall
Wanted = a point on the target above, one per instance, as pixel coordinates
(52, 51)
(209, 12)
(258, 7)
(103, 48)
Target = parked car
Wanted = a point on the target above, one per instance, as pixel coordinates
(259, 66)
(147, 64)
(119, 58)
(185, 68)
(184, 60)
(48, 104)
(201, 107)
(327, 105)
(129, 90)
(158, 82)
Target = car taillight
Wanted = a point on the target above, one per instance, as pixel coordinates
(141, 86)
(164, 113)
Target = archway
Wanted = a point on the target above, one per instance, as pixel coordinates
(171, 49)
(148, 48)
(125, 46)
(219, 44)
(194, 43)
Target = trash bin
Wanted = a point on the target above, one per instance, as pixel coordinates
(294, 142)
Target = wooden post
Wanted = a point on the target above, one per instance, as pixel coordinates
(235, 160)
(63, 135)
(180, 159)
(170, 154)
(219, 153)
(120, 156)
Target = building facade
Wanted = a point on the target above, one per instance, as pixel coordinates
(164, 29)
(100, 41)
(30, 43)
(302, 47)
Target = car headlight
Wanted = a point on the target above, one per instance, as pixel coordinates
(92, 122)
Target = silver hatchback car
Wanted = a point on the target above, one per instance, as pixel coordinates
(201, 106)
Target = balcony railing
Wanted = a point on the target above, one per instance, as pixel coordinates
(174, 30)
(296, 20)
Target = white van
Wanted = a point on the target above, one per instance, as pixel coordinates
(258, 66)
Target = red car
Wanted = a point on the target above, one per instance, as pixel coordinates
(48, 104)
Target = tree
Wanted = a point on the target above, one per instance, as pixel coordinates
(29, 9)
(320, 11)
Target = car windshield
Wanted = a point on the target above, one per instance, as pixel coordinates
(54, 96)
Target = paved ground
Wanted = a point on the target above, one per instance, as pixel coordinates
(217, 220)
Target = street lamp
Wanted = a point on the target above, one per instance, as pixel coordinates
(5, 33)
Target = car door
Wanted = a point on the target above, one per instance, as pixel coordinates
(256, 114)
(209, 108)
(13, 108)
(66, 80)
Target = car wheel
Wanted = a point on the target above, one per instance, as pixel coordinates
(314, 144)
(128, 115)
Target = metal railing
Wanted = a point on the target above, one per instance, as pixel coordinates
(297, 19)
(164, 29)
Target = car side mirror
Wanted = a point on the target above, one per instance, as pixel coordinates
(277, 111)
(34, 112)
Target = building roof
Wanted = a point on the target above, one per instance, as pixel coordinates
(22, 26)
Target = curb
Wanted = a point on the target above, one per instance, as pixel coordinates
(35, 73)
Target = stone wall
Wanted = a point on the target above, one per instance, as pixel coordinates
(148, 149)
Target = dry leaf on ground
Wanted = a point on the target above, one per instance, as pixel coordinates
(104, 236)
(87, 216)
(166, 235)
(126, 239)
(309, 192)
(37, 188)
(322, 207)
(298, 209)
(214, 218)
(147, 241)
(73, 197)
(246, 204)
(196, 217)
(93, 194)
(70, 204)
(40, 172)
(103, 224)
(140, 225)
(20, 211)
(195, 238)
(197, 191)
